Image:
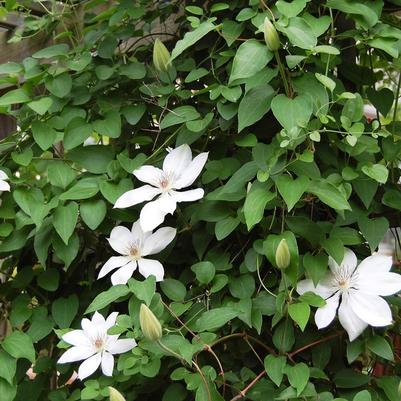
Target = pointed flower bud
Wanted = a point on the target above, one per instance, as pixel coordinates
(161, 56)
(283, 257)
(151, 328)
(115, 395)
(271, 36)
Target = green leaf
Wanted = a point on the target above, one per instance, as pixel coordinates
(215, 318)
(254, 105)
(353, 108)
(389, 384)
(373, 230)
(204, 272)
(392, 198)
(133, 70)
(329, 195)
(60, 174)
(363, 395)
(292, 112)
(83, 189)
(15, 241)
(283, 336)
(299, 313)
(49, 279)
(316, 266)
(14, 97)
(290, 9)
(298, 376)
(174, 289)
(41, 106)
(60, 85)
(376, 171)
(134, 113)
(196, 74)
(107, 297)
(65, 219)
(93, 158)
(379, 346)
(348, 378)
(129, 165)
(112, 191)
(326, 81)
(242, 287)
(23, 158)
(299, 33)
(292, 190)
(312, 299)
(382, 99)
(64, 310)
(76, 132)
(354, 349)
(52, 51)
(179, 115)
(255, 203)
(43, 134)
(190, 38)
(250, 58)
(366, 190)
(110, 126)
(334, 247)
(274, 367)
(225, 227)
(8, 366)
(67, 253)
(143, 290)
(7, 391)
(19, 345)
(93, 212)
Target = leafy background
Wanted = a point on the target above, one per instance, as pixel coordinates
(296, 161)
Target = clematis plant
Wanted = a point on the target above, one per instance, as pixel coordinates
(4, 186)
(133, 245)
(93, 345)
(179, 171)
(355, 291)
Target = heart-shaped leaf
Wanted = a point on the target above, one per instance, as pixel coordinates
(373, 230)
(382, 99)
(292, 190)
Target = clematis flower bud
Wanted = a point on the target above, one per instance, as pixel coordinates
(399, 390)
(283, 257)
(271, 36)
(150, 326)
(161, 56)
(115, 395)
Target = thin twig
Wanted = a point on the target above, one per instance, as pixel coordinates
(243, 392)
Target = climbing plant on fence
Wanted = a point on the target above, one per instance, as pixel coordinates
(193, 215)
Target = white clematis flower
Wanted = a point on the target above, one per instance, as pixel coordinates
(355, 291)
(4, 186)
(93, 344)
(179, 171)
(133, 246)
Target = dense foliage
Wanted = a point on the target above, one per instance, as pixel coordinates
(291, 156)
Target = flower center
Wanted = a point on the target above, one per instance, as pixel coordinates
(343, 284)
(166, 182)
(99, 344)
(134, 252)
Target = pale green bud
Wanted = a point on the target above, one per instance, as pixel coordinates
(151, 328)
(161, 56)
(283, 257)
(271, 36)
(115, 395)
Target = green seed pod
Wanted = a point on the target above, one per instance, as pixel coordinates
(271, 36)
(151, 328)
(161, 56)
(283, 257)
(115, 395)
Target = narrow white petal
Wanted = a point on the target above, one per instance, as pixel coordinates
(325, 289)
(379, 284)
(151, 267)
(149, 174)
(77, 338)
(138, 233)
(347, 266)
(121, 346)
(3, 175)
(153, 213)
(191, 173)
(325, 315)
(76, 354)
(159, 240)
(4, 186)
(135, 196)
(121, 239)
(113, 263)
(107, 363)
(370, 308)
(89, 366)
(375, 264)
(98, 320)
(111, 320)
(178, 160)
(123, 274)
(189, 196)
(352, 324)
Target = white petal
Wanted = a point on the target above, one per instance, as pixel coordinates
(4, 186)
(138, 233)
(375, 264)
(77, 338)
(353, 325)
(98, 320)
(178, 160)
(159, 240)
(347, 266)
(121, 239)
(323, 289)
(325, 315)
(123, 274)
(135, 196)
(3, 175)
(370, 308)
(191, 173)
(189, 196)
(113, 263)
(111, 320)
(153, 213)
(76, 354)
(121, 346)
(149, 174)
(107, 364)
(379, 284)
(89, 366)
(89, 328)
(151, 267)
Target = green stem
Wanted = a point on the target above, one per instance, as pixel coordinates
(282, 73)
(397, 95)
(260, 279)
(171, 352)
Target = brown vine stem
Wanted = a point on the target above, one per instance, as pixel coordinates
(243, 392)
